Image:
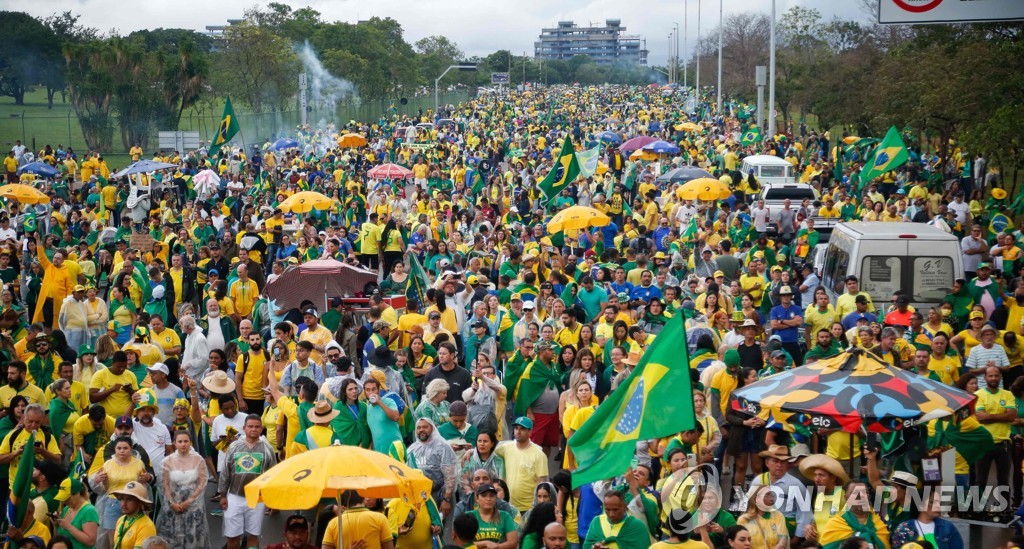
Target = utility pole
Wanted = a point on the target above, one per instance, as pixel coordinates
(721, 30)
(698, 51)
(669, 64)
(771, 79)
(686, 25)
(675, 57)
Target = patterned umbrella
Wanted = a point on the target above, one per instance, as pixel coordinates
(389, 171)
(853, 390)
(636, 143)
(317, 281)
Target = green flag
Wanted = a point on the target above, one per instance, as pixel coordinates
(890, 154)
(417, 283)
(691, 229)
(751, 137)
(653, 402)
(566, 169)
(227, 129)
(838, 170)
(477, 183)
(21, 484)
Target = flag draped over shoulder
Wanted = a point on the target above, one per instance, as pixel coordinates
(890, 154)
(227, 129)
(565, 171)
(416, 286)
(21, 484)
(653, 402)
(588, 161)
(535, 380)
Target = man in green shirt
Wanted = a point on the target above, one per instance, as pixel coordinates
(825, 347)
(332, 318)
(615, 526)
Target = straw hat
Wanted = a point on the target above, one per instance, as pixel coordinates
(219, 382)
(829, 464)
(778, 452)
(136, 490)
(322, 413)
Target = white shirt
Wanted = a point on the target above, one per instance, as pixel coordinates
(961, 209)
(8, 234)
(760, 216)
(215, 337)
(154, 439)
(220, 428)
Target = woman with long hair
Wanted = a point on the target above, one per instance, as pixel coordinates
(746, 436)
(396, 281)
(122, 313)
(579, 404)
(482, 456)
(183, 481)
(392, 244)
(351, 425)
(123, 467)
(587, 343)
(534, 522)
(767, 526)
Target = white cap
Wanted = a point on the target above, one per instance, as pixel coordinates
(159, 367)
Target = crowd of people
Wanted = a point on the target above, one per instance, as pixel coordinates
(166, 367)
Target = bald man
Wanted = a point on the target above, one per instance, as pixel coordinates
(554, 536)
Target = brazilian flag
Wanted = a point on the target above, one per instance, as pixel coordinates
(227, 129)
(647, 405)
(566, 170)
(21, 484)
(999, 223)
(751, 136)
(890, 154)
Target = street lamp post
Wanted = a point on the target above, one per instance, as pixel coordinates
(721, 30)
(675, 57)
(437, 82)
(771, 78)
(686, 24)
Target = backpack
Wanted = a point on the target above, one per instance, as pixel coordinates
(245, 361)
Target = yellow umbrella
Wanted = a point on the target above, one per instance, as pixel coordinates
(23, 194)
(998, 193)
(351, 140)
(850, 139)
(704, 188)
(688, 127)
(643, 155)
(301, 481)
(577, 217)
(305, 202)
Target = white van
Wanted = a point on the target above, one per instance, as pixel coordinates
(918, 259)
(769, 169)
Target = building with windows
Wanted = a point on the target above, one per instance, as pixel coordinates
(604, 44)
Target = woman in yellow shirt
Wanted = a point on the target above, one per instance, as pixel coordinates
(579, 404)
(766, 525)
(114, 475)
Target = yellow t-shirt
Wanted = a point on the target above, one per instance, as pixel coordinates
(244, 294)
(10, 445)
(530, 464)
(79, 398)
(118, 476)
(118, 403)
(839, 445)
(359, 524)
(723, 384)
(992, 403)
(320, 336)
(947, 369)
(166, 339)
(397, 513)
(252, 379)
(688, 544)
(30, 391)
(134, 533)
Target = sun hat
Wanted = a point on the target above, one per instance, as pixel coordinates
(321, 413)
(219, 382)
(829, 464)
(136, 490)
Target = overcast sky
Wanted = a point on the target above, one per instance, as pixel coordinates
(479, 27)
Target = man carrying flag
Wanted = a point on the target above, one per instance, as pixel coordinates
(751, 136)
(564, 172)
(890, 154)
(227, 129)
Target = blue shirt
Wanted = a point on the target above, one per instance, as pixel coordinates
(645, 294)
(850, 320)
(609, 231)
(792, 333)
(619, 288)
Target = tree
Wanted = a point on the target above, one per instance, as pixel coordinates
(67, 31)
(257, 66)
(91, 87)
(27, 48)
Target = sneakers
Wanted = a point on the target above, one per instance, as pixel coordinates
(217, 512)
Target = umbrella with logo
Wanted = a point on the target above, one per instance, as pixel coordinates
(852, 391)
(25, 194)
(577, 217)
(389, 171)
(351, 140)
(704, 188)
(41, 169)
(305, 202)
(301, 481)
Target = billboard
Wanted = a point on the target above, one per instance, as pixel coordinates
(499, 78)
(178, 141)
(948, 11)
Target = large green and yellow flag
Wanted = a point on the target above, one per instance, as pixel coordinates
(227, 129)
(567, 168)
(21, 484)
(890, 154)
(655, 401)
(751, 137)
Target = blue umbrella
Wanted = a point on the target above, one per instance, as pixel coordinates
(284, 143)
(661, 147)
(683, 174)
(144, 166)
(609, 137)
(39, 168)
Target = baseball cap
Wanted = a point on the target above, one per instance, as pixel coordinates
(785, 290)
(124, 421)
(861, 299)
(516, 296)
(68, 487)
(487, 487)
(977, 314)
(984, 265)
(159, 367)
(777, 354)
(524, 422)
(434, 314)
(311, 311)
(213, 272)
(902, 300)
(296, 521)
(79, 288)
(473, 279)
(719, 274)
(529, 305)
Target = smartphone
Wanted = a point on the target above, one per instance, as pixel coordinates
(634, 463)
(872, 442)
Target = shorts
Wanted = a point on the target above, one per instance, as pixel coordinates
(240, 519)
(546, 430)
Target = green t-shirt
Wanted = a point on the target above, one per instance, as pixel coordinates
(85, 515)
(496, 531)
